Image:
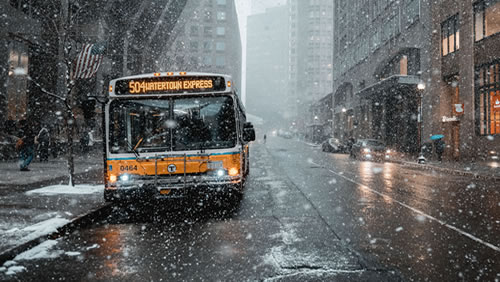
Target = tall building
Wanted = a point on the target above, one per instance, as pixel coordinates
(464, 90)
(207, 40)
(379, 54)
(134, 33)
(310, 59)
(267, 64)
(406, 70)
(260, 6)
(19, 30)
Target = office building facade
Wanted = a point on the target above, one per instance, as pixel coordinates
(207, 39)
(310, 56)
(408, 70)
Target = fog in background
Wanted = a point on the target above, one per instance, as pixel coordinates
(267, 61)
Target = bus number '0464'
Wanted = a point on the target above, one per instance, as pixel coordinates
(128, 167)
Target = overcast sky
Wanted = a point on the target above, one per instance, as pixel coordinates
(244, 8)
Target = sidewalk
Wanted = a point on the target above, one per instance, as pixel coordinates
(29, 214)
(483, 169)
(40, 172)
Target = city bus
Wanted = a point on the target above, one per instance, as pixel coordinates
(175, 135)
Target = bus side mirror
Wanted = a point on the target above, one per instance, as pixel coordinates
(248, 132)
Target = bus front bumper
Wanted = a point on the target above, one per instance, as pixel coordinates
(159, 189)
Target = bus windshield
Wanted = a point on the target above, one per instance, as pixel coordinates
(173, 124)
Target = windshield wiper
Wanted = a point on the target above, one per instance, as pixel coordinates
(137, 155)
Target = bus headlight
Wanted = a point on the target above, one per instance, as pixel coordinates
(220, 172)
(112, 178)
(124, 177)
(388, 151)
(367, 150)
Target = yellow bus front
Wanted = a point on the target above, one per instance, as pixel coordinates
(174, 145)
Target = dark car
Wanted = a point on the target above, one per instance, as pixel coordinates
(333, 145)
(370, 149)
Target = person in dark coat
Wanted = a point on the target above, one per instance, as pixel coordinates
(27, 148)
(43, 139)
(439, 145)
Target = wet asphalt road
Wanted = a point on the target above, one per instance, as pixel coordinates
(306, 216)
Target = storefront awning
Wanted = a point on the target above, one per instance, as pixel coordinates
(385, 86)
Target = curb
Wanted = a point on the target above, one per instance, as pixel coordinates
(78, 222)
(447, 170)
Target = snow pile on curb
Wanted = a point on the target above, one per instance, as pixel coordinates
(67, 189)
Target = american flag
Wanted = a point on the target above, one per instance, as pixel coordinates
(88, 61)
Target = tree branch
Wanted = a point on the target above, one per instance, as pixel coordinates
(46, 91)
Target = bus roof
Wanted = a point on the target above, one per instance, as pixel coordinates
(162, 74)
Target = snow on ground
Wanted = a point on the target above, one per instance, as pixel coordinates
(15, 269)
(16, 233)
(42, 251)
(44, 228)
(83, 189)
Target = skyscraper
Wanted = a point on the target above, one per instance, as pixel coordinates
(267, 63)
(310, 54)
(207, 40)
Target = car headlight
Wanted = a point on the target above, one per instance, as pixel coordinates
(388, 151)
(367, 150)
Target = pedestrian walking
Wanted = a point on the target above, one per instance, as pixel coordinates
(265, 137)
(84, 143)
(26, 145)
(43, 140)
(439, 146)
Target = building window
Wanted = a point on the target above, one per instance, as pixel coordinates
(220, 61)
(207, 45)
(208, 30)
(486, 18)
(208, 16)
(487, 99)
(412, 12)
(193, 45)
(450, 35)
(194, 30)
(220, 46)
(207, 61)
(221, 16)
(403, 65)
(221, 31)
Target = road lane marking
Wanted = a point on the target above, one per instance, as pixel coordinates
(470, 236)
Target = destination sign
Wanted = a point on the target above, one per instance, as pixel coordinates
(170, 85)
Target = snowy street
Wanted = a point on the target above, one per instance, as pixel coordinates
(306, 215)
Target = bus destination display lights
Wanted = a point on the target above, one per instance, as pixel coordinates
(143, 87)
(170, 85)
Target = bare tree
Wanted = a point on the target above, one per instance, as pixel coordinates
(62, 24)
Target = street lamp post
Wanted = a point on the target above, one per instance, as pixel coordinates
(421, 88)
(314, 127)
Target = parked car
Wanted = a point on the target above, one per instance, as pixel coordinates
(333, 145)
(285, 134)
(370, 149)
